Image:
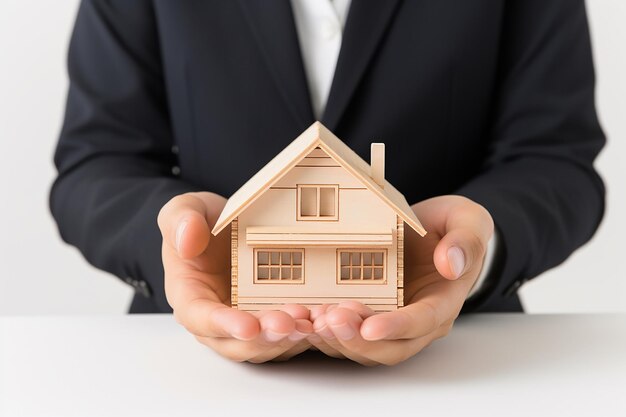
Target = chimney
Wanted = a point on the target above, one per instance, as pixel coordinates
(378, 163)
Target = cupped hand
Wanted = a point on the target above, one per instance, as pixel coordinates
(440, 270)
(197, 286)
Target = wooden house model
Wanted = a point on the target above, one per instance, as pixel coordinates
(317, 225)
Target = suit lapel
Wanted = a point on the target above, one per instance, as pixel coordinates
(365, 27)
(274, 29)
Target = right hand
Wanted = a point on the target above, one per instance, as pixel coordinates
(197, 287)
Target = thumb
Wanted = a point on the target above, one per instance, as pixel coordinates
(463, 246)
(459, 252)
(184, 226)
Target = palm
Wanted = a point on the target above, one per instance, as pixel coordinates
(197, 286)
(421, 274)
(209, 273)
(426, 262)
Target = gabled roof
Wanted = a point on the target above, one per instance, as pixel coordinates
(316, 135)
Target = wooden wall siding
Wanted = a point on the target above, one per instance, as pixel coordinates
(325, 169)
(357, 207)
(319, 158)
(320, 278)
(319, 162)
(318, 175)
(277, 208)
(400, 256)
(234, 264)
(297, 236)
(318, 153)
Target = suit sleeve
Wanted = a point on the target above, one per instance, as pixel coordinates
(539, 182)
(114, 156)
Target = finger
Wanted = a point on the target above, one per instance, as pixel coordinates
(317, 311)
(303, 326)
(354, 346)
(320, 344)
(275, 325)
(284, 349)
(404, 323)
(389, 352)
(465, 227)
(320, 324)
(461, 251)
(184, 225)
(255, 351)
(441, 214)
(276, 343)
(296, 311)
(343, 321)
(438, 304)
(207, 318)
(362, 310)
(345, 325)
(303, 329)
(320, 327)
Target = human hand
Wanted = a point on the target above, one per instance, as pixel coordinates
(440, 270)
(197, 286)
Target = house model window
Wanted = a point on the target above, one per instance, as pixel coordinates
(318, 202)
(279, 266)
(361, 267)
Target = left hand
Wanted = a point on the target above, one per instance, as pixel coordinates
(440, 270)
(197, 286)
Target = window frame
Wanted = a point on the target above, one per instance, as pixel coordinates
(278, 281)
(318, 217)
(361, 281)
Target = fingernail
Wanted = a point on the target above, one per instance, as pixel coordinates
(344, 331)
(272, 336)
(456, 258)
(296, 336)
(180, 231)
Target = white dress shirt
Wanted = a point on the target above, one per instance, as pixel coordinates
(320, 24)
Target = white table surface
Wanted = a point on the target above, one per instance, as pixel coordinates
(503, 365)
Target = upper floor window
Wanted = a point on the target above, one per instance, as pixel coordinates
(318, 202)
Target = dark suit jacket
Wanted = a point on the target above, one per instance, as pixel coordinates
(493, 100)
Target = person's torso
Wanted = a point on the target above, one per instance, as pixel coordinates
(419, 76)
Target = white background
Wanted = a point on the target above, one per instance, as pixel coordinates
(41, 275)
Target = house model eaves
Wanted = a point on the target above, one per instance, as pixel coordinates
(317, 225)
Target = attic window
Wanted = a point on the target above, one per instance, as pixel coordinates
(318, 202)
